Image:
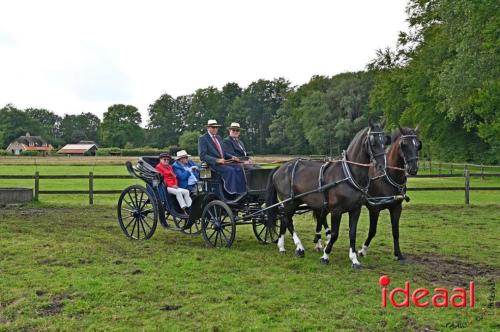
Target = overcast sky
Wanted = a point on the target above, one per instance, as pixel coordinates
(83, 56)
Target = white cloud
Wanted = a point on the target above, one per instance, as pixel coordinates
(74, 56)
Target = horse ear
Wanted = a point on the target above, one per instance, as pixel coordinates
(417, 129)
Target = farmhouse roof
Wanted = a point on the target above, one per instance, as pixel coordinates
(76, 148)
(31, 140)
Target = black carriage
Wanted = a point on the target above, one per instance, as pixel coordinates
(214, 213)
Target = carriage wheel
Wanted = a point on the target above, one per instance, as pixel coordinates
(218, 226)
(266, 231)
(137, 213)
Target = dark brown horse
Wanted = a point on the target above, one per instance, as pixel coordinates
(402, 157)
(343, 188)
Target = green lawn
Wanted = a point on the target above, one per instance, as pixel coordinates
(72, 269)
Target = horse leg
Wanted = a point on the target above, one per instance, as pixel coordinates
(395, 215)
(299, 250)
(281, 239)
(320, 216)
(353, 224)
(336, 218)
(374, 214)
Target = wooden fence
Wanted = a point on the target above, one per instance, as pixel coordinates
(91, 177)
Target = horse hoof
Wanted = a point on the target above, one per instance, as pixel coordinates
(300, 253)
(356, 266)
(402, 261)
(324, 261)
(361, 254)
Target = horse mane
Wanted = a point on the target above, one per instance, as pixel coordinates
(358, 137)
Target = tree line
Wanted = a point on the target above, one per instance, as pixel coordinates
(442, 74)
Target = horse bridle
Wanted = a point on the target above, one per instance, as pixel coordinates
(400, 187)
(370, 150)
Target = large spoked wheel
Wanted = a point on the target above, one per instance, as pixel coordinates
(137, 213)
(266, 231)
(218, 226)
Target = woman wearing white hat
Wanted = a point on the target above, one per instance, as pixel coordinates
(186, 170)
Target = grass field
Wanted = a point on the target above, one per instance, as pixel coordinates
(67, 266)
(73, 269)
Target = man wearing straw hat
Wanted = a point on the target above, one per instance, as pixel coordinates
(232, 144)
(211, 151)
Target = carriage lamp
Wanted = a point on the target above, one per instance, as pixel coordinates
(205, 172)
(200, 186)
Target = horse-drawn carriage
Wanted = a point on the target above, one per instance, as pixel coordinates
(367, 175)
(214, 213)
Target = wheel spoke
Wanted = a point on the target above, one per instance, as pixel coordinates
(211, 215)
(216, 237)
(126, 227)
(131, 211)
(210, 237)
(141, 205)
(225, 237)
(143, 229)
(260, 233)
(128, 203)
(133, 228)
(131, 204)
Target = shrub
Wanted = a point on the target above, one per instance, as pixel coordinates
(3, 152)
(189, 142)
(30, 153)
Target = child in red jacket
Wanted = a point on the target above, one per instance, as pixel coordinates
(171, 183)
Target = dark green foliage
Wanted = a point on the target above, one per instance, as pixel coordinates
(121, 125)
(189, 142)
(15, 123)
(445, 76)
(84, 126)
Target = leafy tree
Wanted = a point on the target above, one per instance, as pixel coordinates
(255, 109)
(189, 141)
(165, 122)
(15, 123)
(49, 121)
(121, 125)
(84, 126)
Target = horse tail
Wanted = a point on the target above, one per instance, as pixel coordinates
(271, 197)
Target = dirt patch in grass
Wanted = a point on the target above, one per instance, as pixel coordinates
(56, 306)
(451, 271)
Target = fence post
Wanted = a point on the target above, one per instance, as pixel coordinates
(467, 186)
(91, 188)
(37, 185)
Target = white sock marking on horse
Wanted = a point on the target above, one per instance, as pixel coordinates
(353, 257)
(318, 245)
(325, 256)
(297, 242)
(281, 243)
(364, 250)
